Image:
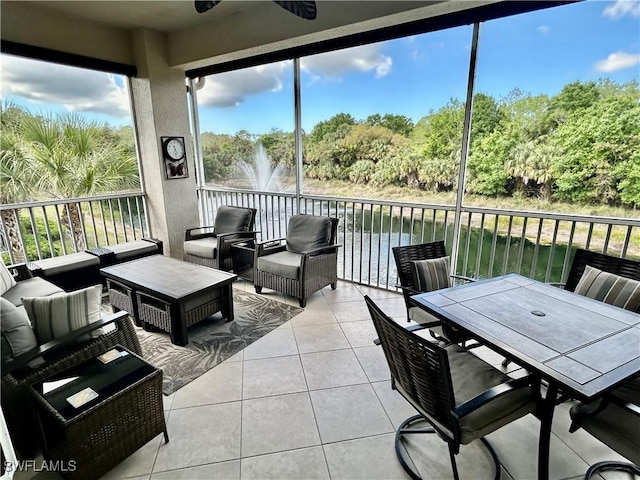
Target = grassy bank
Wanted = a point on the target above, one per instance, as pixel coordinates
(347, 189)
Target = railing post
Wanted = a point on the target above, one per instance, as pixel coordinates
(466, 137)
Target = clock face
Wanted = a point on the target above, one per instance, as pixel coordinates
(174, 148)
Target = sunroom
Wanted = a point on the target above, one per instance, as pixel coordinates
(410, 122)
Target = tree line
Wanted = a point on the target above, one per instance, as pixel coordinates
(580, 145)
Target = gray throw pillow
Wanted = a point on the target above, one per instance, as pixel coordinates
(55, 316)
(6, 279)
(432, 274)
(609, 288)
(17, 334)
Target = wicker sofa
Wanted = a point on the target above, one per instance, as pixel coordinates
(44, 360)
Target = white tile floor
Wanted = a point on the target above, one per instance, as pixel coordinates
(312, 400)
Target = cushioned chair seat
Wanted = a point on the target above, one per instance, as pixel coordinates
(472, 376)
(31, 287)
(202, 247)
(283, 264)
(67, 263)
(616, 426)
(135, 248)
(418, 315)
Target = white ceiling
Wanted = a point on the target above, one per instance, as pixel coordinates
(173, 15)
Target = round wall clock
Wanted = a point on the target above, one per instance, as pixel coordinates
(173, 148)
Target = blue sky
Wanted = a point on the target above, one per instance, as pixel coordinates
(538, 52)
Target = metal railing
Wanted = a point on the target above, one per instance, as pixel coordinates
(492, 241)
(37, 230)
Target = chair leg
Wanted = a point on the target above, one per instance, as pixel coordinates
(405, 428)
(258, 288)
(611, 465)
(303, 302)
(454, 465)
(334, 285)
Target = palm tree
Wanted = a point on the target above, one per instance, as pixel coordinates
(63, 156)
(532, 161)
(16, 175)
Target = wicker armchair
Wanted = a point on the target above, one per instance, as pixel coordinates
(615, 421)
(47, 360)
(405, 256)
(462, 397)
(211, 246)
(303, 262)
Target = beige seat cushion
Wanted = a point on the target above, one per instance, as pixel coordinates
(66, 263)
(134, 248)
(282, 264)
(202, 247)
(31, 287)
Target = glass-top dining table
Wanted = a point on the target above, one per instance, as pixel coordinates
(579, 346)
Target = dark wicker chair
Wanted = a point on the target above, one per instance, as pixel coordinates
(211, 246)
(615, 421)
(303, 262)
(462, 397)
(54, 357)
(404, 256)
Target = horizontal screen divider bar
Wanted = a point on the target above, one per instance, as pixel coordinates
(442, 22)
(71, 59)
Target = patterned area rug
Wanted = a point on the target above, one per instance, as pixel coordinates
(213, 340)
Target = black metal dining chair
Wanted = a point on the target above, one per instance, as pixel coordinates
(424, 267)
(615, 421)
(462, 397)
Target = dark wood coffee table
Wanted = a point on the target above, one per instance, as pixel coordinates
(169, 294)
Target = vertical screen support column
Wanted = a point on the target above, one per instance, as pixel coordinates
(464, 153)
(298, 129)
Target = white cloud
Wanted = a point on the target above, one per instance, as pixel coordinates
(544, 29)
(618, 61)
(332, 65)
(621, 8)
(78, 90)
(231, 88)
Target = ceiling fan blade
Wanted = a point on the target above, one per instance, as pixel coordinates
(304, 9)
(205, 5)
